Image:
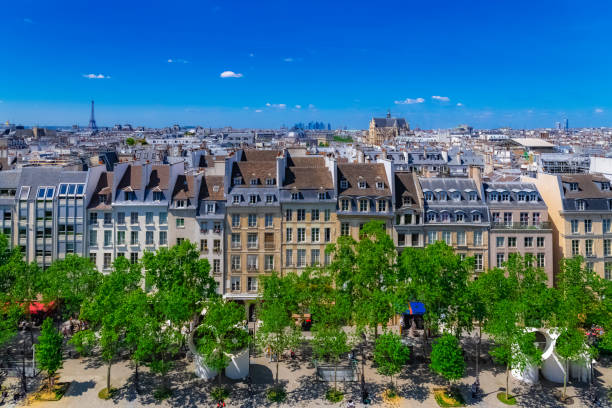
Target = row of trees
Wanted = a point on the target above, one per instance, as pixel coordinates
(367, 285)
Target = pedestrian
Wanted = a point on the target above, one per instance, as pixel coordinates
(350, 404)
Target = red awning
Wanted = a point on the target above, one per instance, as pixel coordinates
(40, 307)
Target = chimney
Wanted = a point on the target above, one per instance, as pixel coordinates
(474, 174)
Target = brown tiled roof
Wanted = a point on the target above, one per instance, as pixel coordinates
(405, 186)
(184, 187)
(132, 178)
(254, 155)
(105, 187)
(371, 173)
(257, 170)
(313, 161)
(160, 177)
(308, 178)
(586, 186)
(208, 187)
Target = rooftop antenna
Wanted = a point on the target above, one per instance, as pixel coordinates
(92, 120)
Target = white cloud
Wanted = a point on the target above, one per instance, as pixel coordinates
(441, 98)
(288, 59)
(28, 20)
(459, 104)
(230, 74)
(276, 105)
(179, 61)
(258, 110)
(598, 110)
(298, 106)
(251, 55)
(410, 101)
(96, 76)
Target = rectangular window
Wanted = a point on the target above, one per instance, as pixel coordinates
(499, 242)
(120, 218)
(588, 247)
(301, 258)
(478, 238)
(512, 242)
(314, 215)
(314, 235)
(235, 220)
(289, 234)
(301, 234)
(216, 266)
(252, 284)
(269, 198)
(163, 237)
(301, 214)
(107, 260)
(252, 262)
(382, 206)
(236, 199)
(535, 218)
(203, 245)
(269, 220)
(344, 205)
(540, 242)
(605, 223)
(108, 218)
(134, 238)
(108, 237)
(508, 219)
(269, 262)
(574, 224)
(460, 238)
(289, 257)
(327, 234)
(252, 220)
(133, 218)
(344, 229)
(446, 237)
(288, 215)
(575, 247)
(432, 237)
(235, 262)
(528, 242)
(327, 215)
(149, 218)
(252, 241)
(236, 241)
(217, 246)
(500, 260)
(252, 199)
(149, 237)
(180, 223)
(606, 247)
(133, 257)
(363, 205)
(478, 262)
(93, 217)
(524, 219)
(588, 226)
(540, 260)
(235, 283)
(608, 270)
(315, 257)
(93, 238)
(163, 218)
(92, 258)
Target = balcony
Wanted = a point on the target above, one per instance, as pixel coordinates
(217, 230)
(236, 245)
(521, 225)
(252, 268)
(252, 246)
(217, 251)
(269, 247)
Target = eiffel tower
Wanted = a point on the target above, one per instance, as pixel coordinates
(92, 120)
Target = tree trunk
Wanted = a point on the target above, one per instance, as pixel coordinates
(24, 381)
(478, 352)
(507, 379)
(335, 371)
(108, 376)
(565, 379)
(276, 381)
(136, 384)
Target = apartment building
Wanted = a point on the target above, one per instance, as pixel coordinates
(253, 220)
(580, 209)
(364, 194)
(456, 213)
(9, 184)
(408, 209)
(308, 206)
(519, 224)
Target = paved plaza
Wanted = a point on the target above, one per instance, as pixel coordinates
(88, 376)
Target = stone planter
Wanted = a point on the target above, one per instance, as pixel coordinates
(238, 367)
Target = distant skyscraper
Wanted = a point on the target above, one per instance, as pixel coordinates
(566, 124)
(92, 119)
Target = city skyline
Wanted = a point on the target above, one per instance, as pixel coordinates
(489, 65)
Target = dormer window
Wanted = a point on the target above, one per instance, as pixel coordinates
(380, 185)
(580, 205)
(363, 205)
(456, 196)
(459, 217)
(295, 196)
(362, 184)
(254, 182)
(253, 199)
(237, 180)
(158, 196)
(210, 208)
(180, 203)
(382, 206)
(442, 196)
(522, 197)
(505, 196)
(406, 201)
(344, 205)
(129, 196)
(270, 182)
(215, 189)
(476, 217)
(444, 217)
(431, 217)
(473, 196)
(236, 199)
(605, 186)
(321, 196)
(429, 196)
(573, 186)
(343, 184)
(102, 198)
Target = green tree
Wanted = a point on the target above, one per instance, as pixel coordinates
(70, 281)
(137, 303)
(330, 344)
(570, 345)
(447, 358)
(221, 333)
(130, 141)
(49, 350)
(390, 354)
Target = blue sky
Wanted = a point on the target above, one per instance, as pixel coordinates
(490, 63)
